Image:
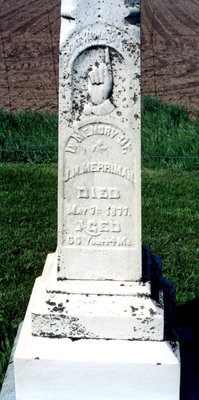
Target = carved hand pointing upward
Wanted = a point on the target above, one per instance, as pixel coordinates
(100, 81)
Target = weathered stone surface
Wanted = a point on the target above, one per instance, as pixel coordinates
(117, 310)
(99, 141)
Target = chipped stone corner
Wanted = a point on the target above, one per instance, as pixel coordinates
(104, 310)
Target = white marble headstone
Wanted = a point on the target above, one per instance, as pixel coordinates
(63, 351)
(99, 220)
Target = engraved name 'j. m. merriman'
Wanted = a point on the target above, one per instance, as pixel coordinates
(106, 167)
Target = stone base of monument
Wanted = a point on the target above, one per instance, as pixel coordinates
(63, 369)
(95, 309)
(99, 340)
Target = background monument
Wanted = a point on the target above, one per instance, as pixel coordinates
(97, 325)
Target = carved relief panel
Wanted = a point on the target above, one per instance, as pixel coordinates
(95, 82)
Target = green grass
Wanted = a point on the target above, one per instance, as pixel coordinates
(170, 138)
(28, 217)
(28, 137)
(170, 223)
(28, 220)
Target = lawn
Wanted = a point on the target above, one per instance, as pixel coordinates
(170, 138)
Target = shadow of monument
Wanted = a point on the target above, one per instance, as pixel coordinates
(180, 323)
(189, 349)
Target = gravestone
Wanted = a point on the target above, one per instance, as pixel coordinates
(99, 158)
(96, 325)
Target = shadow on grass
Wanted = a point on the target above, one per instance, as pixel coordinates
(189, 349)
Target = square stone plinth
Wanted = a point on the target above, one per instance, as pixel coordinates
(94, 309)
(62, 369)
